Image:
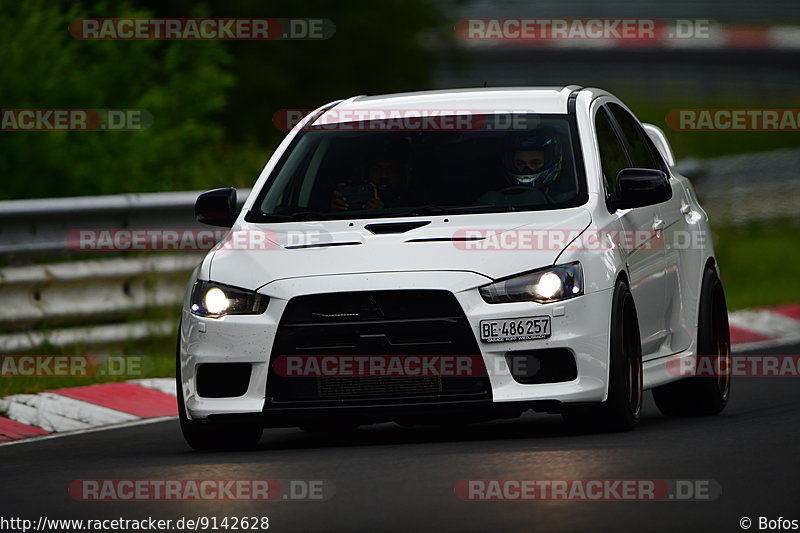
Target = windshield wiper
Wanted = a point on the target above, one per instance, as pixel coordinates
(309, 215)
(299, 215)
(433, 209)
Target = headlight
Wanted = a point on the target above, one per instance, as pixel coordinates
(213, 300)
(547, 285)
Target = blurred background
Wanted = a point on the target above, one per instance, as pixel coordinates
(213, 102)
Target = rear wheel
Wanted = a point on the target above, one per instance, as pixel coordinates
(703, 396)
(202, 437)
(623, 408)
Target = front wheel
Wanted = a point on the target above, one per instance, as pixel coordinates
(622, 410)
(703, 396)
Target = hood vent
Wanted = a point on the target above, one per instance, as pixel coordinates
(447, 239)
(395, 227)
(321, 245)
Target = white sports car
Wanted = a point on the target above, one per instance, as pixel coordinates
(448, 256)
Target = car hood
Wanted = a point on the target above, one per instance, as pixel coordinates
(489, 244)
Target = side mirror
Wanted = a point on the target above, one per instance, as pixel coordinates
(217, 207)
(637, 187)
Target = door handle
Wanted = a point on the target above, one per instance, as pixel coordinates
(658, 224)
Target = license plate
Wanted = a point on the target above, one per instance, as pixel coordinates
(515, 329)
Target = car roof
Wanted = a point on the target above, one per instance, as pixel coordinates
(454, 101)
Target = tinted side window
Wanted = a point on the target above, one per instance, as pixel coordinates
(612, 154)
(636, 137)
(662, 164)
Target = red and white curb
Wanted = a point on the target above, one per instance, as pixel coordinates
(97, 407)
(753, 329)
(88, 408)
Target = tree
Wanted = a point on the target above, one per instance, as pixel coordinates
(180, 83)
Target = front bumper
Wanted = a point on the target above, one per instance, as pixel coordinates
(407, 414)
(580, 325)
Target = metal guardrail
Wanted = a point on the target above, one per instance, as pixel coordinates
(88, 302)
(41, 226)
(738, 189)
(51, 304)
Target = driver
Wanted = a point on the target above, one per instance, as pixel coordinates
(531, 162)
(384, 185)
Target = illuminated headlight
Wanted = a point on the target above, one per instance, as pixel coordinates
(547, 285)
(213, 300)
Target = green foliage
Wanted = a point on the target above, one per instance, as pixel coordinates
(212, 102)
(376, 49)
(756, 262)
(180, 83)
(713, 143)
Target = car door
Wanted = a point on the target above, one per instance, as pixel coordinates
(644, 250)
(673, 229)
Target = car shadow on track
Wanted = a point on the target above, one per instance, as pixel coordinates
(530, 431)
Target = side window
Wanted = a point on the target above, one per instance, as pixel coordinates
(612, 154)
(637, 139)
(662, 164)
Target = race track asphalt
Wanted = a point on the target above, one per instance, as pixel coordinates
(389, 478)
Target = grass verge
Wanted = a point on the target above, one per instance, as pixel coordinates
(99, 369)
(758, 264)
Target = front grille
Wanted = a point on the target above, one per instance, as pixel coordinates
(381, 323)
(376, 387)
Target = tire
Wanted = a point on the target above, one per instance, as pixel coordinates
(202, 437)
(622, 410)
(703, 396)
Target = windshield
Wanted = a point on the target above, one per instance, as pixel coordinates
(373, 169)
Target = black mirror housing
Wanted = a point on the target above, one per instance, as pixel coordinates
(638, 187)
(217, 207)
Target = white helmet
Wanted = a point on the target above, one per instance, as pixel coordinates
(542, 139)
